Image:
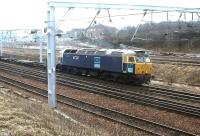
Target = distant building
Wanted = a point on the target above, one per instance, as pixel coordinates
(101, 32)
(75, 33)
(8, 36)
(98, 31)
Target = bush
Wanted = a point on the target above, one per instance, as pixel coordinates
(173, 75)
(193, 78)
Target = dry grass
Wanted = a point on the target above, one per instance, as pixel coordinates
(177, 74)
(22, 117)
(193, 78)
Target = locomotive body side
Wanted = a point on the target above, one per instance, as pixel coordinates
(93, 62)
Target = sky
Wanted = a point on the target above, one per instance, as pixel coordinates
(29, 14)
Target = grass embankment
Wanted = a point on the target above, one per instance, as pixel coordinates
(189, 75)
(22, 117)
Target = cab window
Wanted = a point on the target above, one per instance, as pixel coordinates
(143, 59)
(147, 59)
(131, 59)
(140, 59)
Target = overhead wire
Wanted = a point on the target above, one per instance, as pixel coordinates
(110, 16)
(198, 16)
(133, 37)
(60, 20)
(122, 15)
(93, 20)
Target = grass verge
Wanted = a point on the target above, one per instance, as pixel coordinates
(22, 117)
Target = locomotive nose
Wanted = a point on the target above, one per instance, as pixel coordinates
(142, 68)
(143, 72)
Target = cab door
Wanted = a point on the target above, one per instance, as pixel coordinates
(130, 68)
(129, 64)
(124, 64)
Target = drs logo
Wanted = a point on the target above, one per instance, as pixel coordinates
(130, 68)
(97, 62)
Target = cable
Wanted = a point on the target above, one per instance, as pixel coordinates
(180, 16)
(58, 25)
(138, 26)
(198, 16)
(110, 16)
(93, 20)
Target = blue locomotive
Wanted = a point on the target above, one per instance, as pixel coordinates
(120, 64)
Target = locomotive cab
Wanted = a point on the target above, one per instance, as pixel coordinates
(143, 65)
(138, 65)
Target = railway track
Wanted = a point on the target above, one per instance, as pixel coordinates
(177, 60)
(113, 115)
(147, 97)
(156, 88)
(182, 63)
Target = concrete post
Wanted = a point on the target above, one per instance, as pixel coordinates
(1, 54)
(1, 44)
(51, 70)
(41, 60)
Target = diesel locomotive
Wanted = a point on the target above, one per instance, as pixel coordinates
(119, 64)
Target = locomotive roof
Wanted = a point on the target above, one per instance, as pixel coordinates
(104, 51)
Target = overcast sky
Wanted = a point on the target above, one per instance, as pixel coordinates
(16, 14)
